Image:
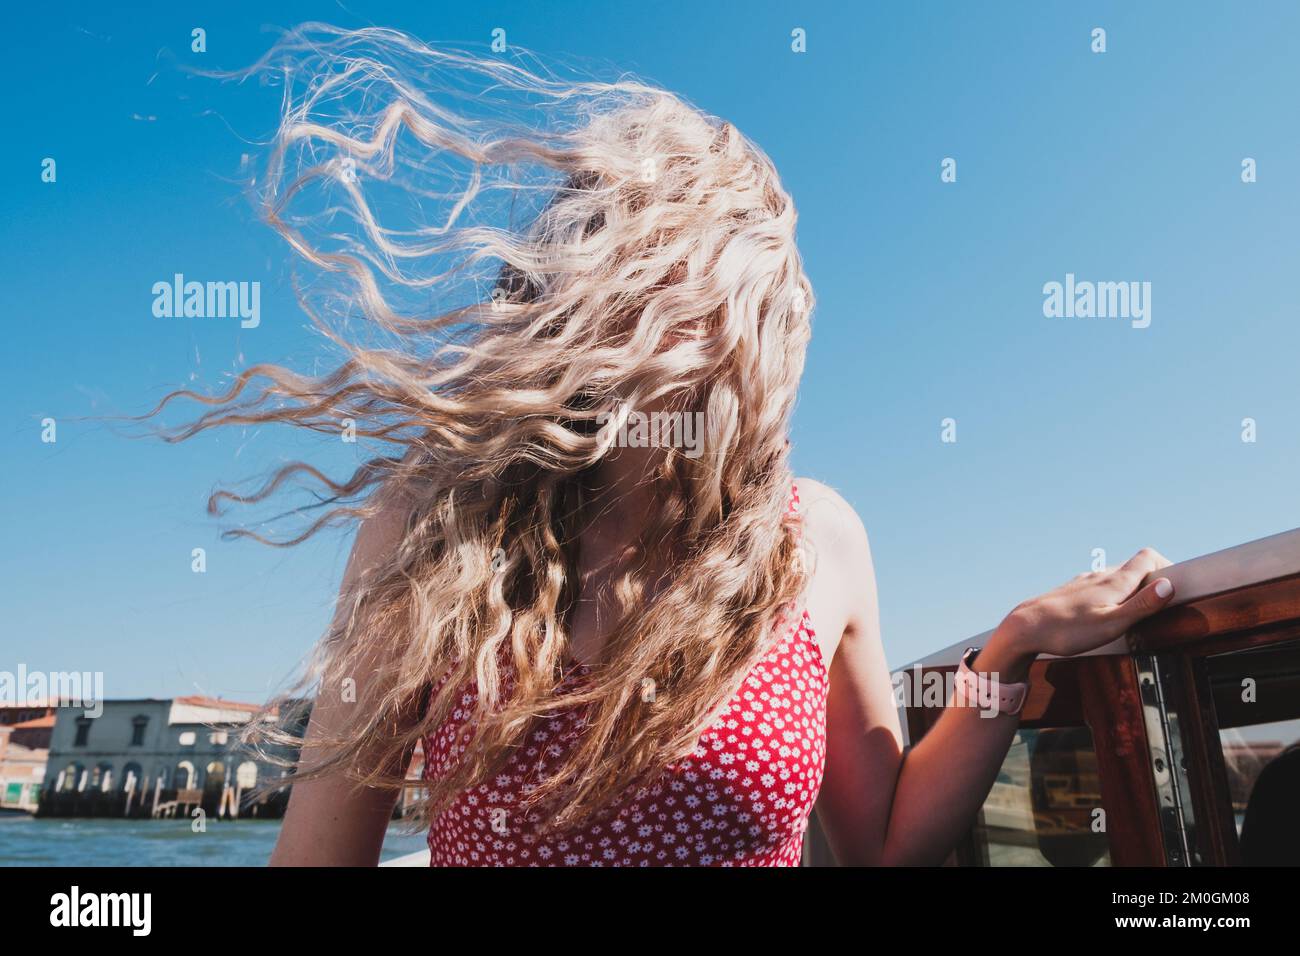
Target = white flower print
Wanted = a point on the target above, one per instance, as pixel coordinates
(741, 799)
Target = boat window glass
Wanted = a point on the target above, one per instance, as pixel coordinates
(1045, 806)
(1256, 696)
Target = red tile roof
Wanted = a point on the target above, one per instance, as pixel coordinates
(200, 701)
(33, 724)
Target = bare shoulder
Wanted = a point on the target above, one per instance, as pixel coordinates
(381, 533)
(841, 592)
(832, 527)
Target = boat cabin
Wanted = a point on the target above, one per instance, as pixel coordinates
(1173, 746)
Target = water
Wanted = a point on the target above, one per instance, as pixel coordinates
(25, 841)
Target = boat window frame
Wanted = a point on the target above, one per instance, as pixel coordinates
(1188, 661)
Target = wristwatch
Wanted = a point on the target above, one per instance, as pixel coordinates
(988, 692)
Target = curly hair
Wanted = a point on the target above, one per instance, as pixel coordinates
(612, 249)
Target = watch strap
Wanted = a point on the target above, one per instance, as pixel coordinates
(985, 691)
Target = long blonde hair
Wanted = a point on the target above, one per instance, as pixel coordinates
(620, 250)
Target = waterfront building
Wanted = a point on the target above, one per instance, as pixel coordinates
(24, 749)
(156, 757)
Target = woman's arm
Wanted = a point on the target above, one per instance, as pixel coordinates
(331, 821)
(875, 806)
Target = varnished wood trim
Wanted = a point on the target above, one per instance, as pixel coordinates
(1246, 608)
(1112, 709)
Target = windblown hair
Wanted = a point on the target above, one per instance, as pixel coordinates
(612, 249)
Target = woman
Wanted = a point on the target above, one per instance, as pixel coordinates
(585, 582)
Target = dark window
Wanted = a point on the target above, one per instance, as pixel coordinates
(83, 731)
(137, 731)
(1257, 706)
(1045, 806)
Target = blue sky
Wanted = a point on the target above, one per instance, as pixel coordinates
(1072, 434)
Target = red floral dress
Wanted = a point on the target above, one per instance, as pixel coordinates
(742, 798)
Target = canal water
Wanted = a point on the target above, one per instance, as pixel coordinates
(25, 841)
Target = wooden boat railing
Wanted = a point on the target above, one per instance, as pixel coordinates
(1147, 715)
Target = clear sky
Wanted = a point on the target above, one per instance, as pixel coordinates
(1072, 434)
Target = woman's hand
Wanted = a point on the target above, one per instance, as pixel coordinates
(1089, 611)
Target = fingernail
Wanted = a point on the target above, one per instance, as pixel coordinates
(1164, 588)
